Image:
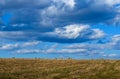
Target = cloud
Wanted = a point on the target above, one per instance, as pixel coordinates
(75, 33)
(14, 35)
(84, 49)
(59, 21)
(87, 46)
(18, 4)
(54, 20)
(68, 3)
(111, 56)
(52, 50)
(112, 2)
(16, 46)
(9, 47)
(115, 42)
(86, 11)
(55, 12)
(112, 44)
(92, 49)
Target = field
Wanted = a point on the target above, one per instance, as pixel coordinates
(59, 69)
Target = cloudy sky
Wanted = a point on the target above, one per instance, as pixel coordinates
(80, 29)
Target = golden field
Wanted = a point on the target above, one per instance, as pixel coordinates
(59, 69)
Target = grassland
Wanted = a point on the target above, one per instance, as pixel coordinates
(59, 69)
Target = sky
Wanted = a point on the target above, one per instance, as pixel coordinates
(79, 29)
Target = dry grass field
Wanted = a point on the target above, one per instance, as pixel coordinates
(59, 69)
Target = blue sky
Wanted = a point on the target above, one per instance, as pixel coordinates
(80, 29)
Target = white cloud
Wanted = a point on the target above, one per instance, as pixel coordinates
(98, 34)
(52, 51)
(18, 35)
(116, 20)
(59, 7)
(31, 43)
(47, 13)
(89, 49)
(115, 42)
(112, 2)
(11, 35)
(111, 55)
(9, 46)
(87, 46)
(69, 3)
(75, 31)
(18, 45)
(116, 38)
(24, 51)
(63, 50)
(71, 31)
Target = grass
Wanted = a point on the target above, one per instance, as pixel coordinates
(59, 69)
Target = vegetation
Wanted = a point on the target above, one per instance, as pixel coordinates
(59, 69)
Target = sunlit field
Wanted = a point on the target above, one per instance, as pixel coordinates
(59, 69)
